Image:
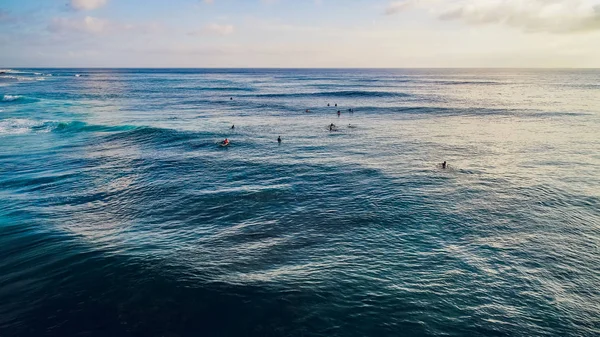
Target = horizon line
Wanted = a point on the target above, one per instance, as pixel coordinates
(309, 68)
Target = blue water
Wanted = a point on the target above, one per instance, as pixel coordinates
(121, 216)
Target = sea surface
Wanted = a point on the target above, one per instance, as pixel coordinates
(120, 215)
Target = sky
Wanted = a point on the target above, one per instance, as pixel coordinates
(300, 33)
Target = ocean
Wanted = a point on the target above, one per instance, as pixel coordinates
(120, 214)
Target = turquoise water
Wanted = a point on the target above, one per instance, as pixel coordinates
(121, 216)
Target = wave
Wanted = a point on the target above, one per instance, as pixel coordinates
(22, 72)
(12, 78)
(162, 137)
(23, 125)
(466, 82)
(78, 126)
(11, 98)
(16, 99)
(8, 78)
(226, 89)
(344, 93)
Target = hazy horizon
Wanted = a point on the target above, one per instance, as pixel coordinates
(282, 34)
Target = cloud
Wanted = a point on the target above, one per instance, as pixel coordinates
(554, 16)
(87, 5)
(96, 26)
(209, 1)
(88, 25)
(8, 18)
(214, 29)
(4, 16)
(398, 6)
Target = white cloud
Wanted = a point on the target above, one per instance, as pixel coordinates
(209, 1)
(555, 16)
(87, 5)
(89, 25)
(214, 29)
(399, 6)
(96, 26)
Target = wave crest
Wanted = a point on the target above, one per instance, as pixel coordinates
(11, 98)
(23, 125)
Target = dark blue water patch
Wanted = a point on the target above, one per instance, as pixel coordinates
(162, 296)
(209, 308)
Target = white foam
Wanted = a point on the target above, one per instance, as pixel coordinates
(10, 98)
(12, 71)
(15, 126)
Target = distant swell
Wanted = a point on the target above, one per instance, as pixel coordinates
(468, 82)
(347, 94)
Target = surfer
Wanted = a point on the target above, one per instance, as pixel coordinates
(331, 127)
(231, 98)
(279, 139)
(232, 127)
(307, 110)
(444, 164)
(339, 113)
(328, 104)
(225, 142)
(335, 104)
